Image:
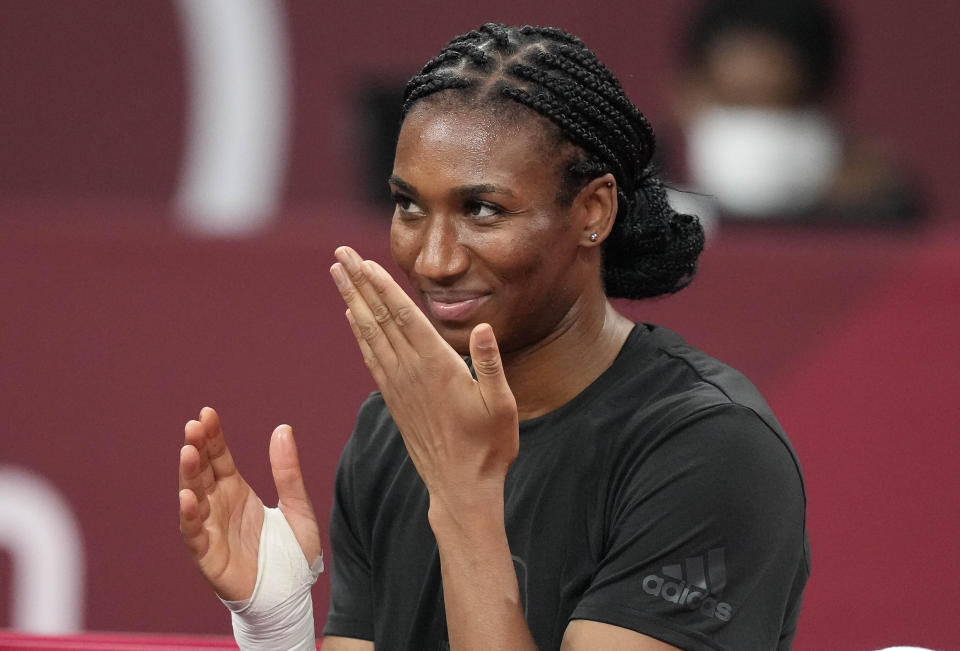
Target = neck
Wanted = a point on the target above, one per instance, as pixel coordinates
(549, 374)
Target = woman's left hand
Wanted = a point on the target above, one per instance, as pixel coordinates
(462, 434)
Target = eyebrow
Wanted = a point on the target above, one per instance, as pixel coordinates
(400, 183)
(482, 188)
(463, 190)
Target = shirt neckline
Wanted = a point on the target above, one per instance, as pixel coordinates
(634, 346)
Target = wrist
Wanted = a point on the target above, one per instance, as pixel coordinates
(279, 613)
(469, 512)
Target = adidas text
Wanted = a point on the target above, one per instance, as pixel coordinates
(687, 596)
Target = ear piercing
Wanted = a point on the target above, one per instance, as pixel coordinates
(594, 237)
(609, 184)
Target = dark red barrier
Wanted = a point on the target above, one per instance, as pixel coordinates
(110, 642)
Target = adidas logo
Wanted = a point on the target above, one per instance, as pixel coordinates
(695, 586)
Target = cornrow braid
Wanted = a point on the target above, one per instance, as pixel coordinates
(500, 35)
(553, 34)
(652, 250)
(569, 65)
(444, 58)
(591, 100)
(545, 105)
(432, 83)
(476, 55)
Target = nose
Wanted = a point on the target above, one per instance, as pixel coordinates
(442, 257)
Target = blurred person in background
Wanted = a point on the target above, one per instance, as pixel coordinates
(762, 140)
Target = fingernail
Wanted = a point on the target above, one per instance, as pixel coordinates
(485, 338)
(339, 277)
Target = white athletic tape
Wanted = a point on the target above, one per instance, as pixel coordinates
(279, 613)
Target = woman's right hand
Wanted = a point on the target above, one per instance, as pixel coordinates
(220, 515)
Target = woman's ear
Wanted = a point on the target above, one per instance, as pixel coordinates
(598, 201)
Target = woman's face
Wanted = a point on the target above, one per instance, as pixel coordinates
(478, 229)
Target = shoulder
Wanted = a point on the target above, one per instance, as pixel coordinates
(682, 410)
(706, 378)
(686, 385)
(730, 406)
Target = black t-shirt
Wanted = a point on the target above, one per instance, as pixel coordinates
(665, 498)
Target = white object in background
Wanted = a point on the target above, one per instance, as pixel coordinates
(763, 162)
(238, 115)
(43, 538)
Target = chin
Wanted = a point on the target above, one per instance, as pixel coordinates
(457, 337)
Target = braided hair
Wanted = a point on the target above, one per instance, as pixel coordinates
(652, 250)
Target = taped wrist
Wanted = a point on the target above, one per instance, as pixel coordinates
(279, 613)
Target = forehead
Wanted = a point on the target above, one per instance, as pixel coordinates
(476, 144)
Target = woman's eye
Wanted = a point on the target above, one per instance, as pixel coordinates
(483, 210)
(405, 204)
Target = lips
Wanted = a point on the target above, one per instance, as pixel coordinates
(454, 307)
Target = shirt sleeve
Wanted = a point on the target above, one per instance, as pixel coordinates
(351, 597)
(706, 546)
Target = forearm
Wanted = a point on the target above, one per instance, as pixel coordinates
(481, 596)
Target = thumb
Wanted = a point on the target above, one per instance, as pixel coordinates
(285, 464)
(291, 491)
(489, 367)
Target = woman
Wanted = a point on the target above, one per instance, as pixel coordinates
(585, 482)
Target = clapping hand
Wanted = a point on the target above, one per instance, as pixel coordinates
(221, 516)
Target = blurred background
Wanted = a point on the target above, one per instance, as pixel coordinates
(174, 177)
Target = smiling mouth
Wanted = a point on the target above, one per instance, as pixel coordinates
(454, 311)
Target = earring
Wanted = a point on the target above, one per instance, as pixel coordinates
(609, 184)
(594, 237)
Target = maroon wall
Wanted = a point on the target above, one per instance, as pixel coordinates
(94, 93)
